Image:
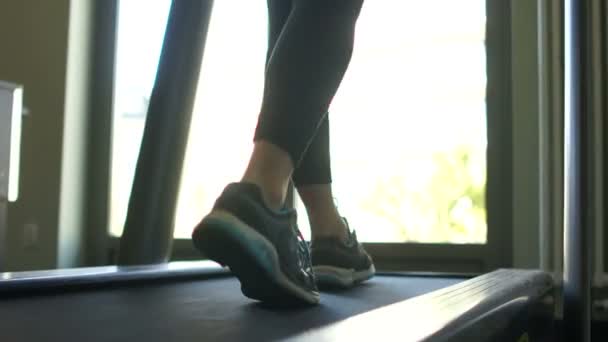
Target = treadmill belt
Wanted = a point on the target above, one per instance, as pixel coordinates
(208, 310)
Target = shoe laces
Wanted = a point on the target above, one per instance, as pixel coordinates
(351, 234)
(303, 248)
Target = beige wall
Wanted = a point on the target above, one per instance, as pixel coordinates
(34, 42)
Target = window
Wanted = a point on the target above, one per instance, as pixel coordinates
(410, 167)
(141, 27)
(408, 124)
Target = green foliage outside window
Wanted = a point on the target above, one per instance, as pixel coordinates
(447, 205)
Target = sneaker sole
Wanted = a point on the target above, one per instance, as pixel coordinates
(252, 258)
(331, 276)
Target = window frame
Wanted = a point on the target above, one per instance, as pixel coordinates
(604, 11)
(99, 245)
(469, 258)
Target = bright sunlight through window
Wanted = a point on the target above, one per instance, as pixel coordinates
(408, 125)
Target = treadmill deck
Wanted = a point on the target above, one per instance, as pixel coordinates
(205, 310)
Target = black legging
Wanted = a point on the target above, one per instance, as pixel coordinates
(309, 48)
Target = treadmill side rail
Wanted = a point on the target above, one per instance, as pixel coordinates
(481, 308)
(79, 278)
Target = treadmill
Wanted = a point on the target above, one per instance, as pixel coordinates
(146, 297)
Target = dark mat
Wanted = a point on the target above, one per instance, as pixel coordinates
(210, 310)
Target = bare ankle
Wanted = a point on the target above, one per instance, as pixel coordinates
(269, 168)
(328, 227)
(273, 196)
(273, 200)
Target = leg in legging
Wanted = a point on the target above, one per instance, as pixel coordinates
(278, 13)
(304, 71)
(269, 166)
(312, 179)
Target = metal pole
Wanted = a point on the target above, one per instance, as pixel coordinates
(597, 61)
(551, 107)
(577, 218)
(557, 127)
(604, 35)
(544, 63)
(148, 229)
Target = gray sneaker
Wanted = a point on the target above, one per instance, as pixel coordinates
(337, 263)
(261, 246)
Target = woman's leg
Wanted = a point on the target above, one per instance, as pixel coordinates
(278, 13)
(303, 73)
(313, 179)
(269, 166)
(315, 165)
(244, 230)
